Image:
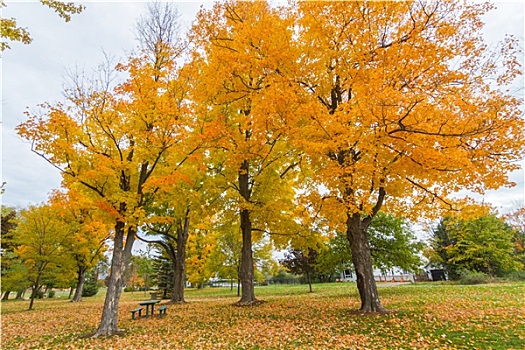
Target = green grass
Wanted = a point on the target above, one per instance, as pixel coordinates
(431, 316)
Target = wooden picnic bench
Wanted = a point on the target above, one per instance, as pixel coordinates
(139, 310)
(162, 310)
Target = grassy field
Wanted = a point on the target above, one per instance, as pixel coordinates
(425, 316)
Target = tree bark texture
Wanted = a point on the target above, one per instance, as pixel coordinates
(6, 295)
(362, 260)
(121, 254)
(80, 283)
(246, 268)
(180, 261)
(34, 290)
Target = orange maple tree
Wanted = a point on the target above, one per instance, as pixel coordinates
(407, 107)
(111, 140)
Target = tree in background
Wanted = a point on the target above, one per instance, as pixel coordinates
(299, 262)
(40, 237)
(516, 219)
(163, 273)
(200, 245)
(90, 232)
(13, 271)
(10, 31)
(482, 244)
(91, 285)
(392, 244)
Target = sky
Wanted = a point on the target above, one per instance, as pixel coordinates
(36, 73)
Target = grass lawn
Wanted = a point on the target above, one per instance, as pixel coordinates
(425, 316)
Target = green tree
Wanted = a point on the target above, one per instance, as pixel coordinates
(483, 244)
(91, 285)
(40, 237)
(392, 244)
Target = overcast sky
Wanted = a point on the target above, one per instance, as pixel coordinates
(35, 73)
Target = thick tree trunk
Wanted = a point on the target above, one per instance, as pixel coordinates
(246, 269)
(180, 261)
(6, 295)
(121, 254)
(362, 260)
(80, 284)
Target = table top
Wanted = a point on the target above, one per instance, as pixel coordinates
(149, 302)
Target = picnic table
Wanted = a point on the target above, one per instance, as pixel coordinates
(148, 304)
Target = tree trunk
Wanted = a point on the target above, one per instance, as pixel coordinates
(309, 279)
(121, 254)
(362, 260)
(80, 284)
(20, 294)
(34, 289)
(71, 290)
(180, 265)
(246, 268)
(6, 295)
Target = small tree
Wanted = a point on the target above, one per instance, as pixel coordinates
(299, 262)
(40, 237)
(91, 285)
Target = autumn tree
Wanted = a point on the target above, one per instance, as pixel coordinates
(242, 51)
(407, 106)
(87, 242)
(12, 268)
(111, 140)
(200, 246)
(10, 31)
(40, 236)
(516, 219)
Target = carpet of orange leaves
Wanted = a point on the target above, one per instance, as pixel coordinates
(424, 317)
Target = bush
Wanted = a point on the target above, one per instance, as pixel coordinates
(473, 277)
(90, 287)
(516, 276)
(51, 294)
(39, 294)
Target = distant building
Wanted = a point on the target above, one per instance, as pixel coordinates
(394, 275)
